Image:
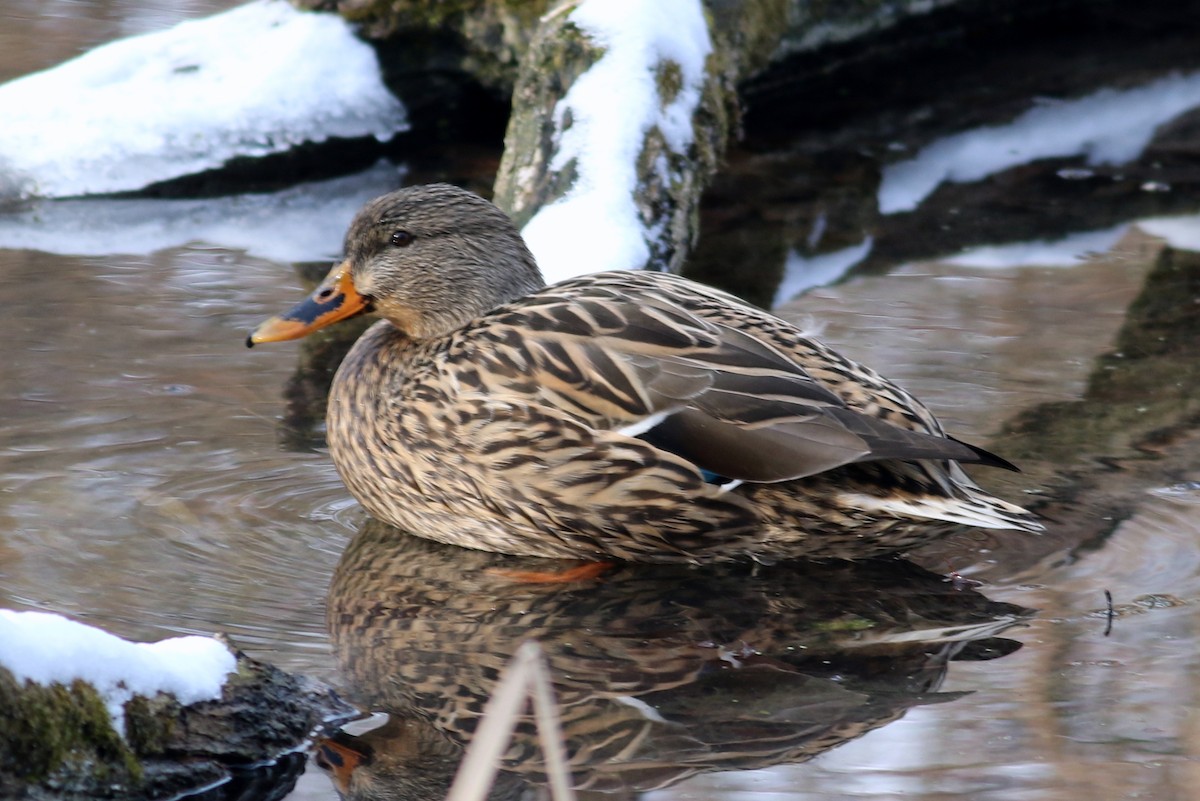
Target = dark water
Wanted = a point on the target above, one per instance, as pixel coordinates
(150, 485)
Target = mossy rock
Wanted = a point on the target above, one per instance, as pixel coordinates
(61, 736)
(58, 742)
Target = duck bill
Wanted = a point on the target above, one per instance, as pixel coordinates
(335, 299)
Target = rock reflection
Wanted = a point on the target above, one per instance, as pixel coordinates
(661, 672)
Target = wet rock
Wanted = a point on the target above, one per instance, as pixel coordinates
(484, 38)
(822, 128)
(59, 738)
(57, 742)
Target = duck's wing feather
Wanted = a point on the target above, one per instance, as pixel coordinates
(692, 374)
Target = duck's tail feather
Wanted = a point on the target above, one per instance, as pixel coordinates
(970, 507)
(987, 458)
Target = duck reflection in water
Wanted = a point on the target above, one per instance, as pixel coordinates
(661, 672)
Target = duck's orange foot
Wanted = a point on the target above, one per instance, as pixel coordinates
(584, 572)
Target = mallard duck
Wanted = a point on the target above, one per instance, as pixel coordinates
(622, 415)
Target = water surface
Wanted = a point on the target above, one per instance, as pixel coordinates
(149, 484)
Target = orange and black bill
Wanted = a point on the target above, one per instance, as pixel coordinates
(335, 299)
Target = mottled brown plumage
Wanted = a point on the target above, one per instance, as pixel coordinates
(625, 414)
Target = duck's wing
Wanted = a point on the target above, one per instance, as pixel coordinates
(692, 374)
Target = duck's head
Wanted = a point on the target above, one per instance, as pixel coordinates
(427, 258)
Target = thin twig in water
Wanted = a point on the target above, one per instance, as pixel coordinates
(1111, 614)
(525, 677)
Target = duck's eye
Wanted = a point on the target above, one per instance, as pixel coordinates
(402, 238)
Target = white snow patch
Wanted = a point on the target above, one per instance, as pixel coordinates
(1068, 251)
(47, 649)
(1182, 233)
(1108, 127)
(256, 80)
(611, 107)
(805, 272)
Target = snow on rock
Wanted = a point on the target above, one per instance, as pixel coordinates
(610, 108)
(256, 80)
(1181, 233)
(1108, 126)
(46, 648)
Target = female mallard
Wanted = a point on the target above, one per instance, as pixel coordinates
(635, 415)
